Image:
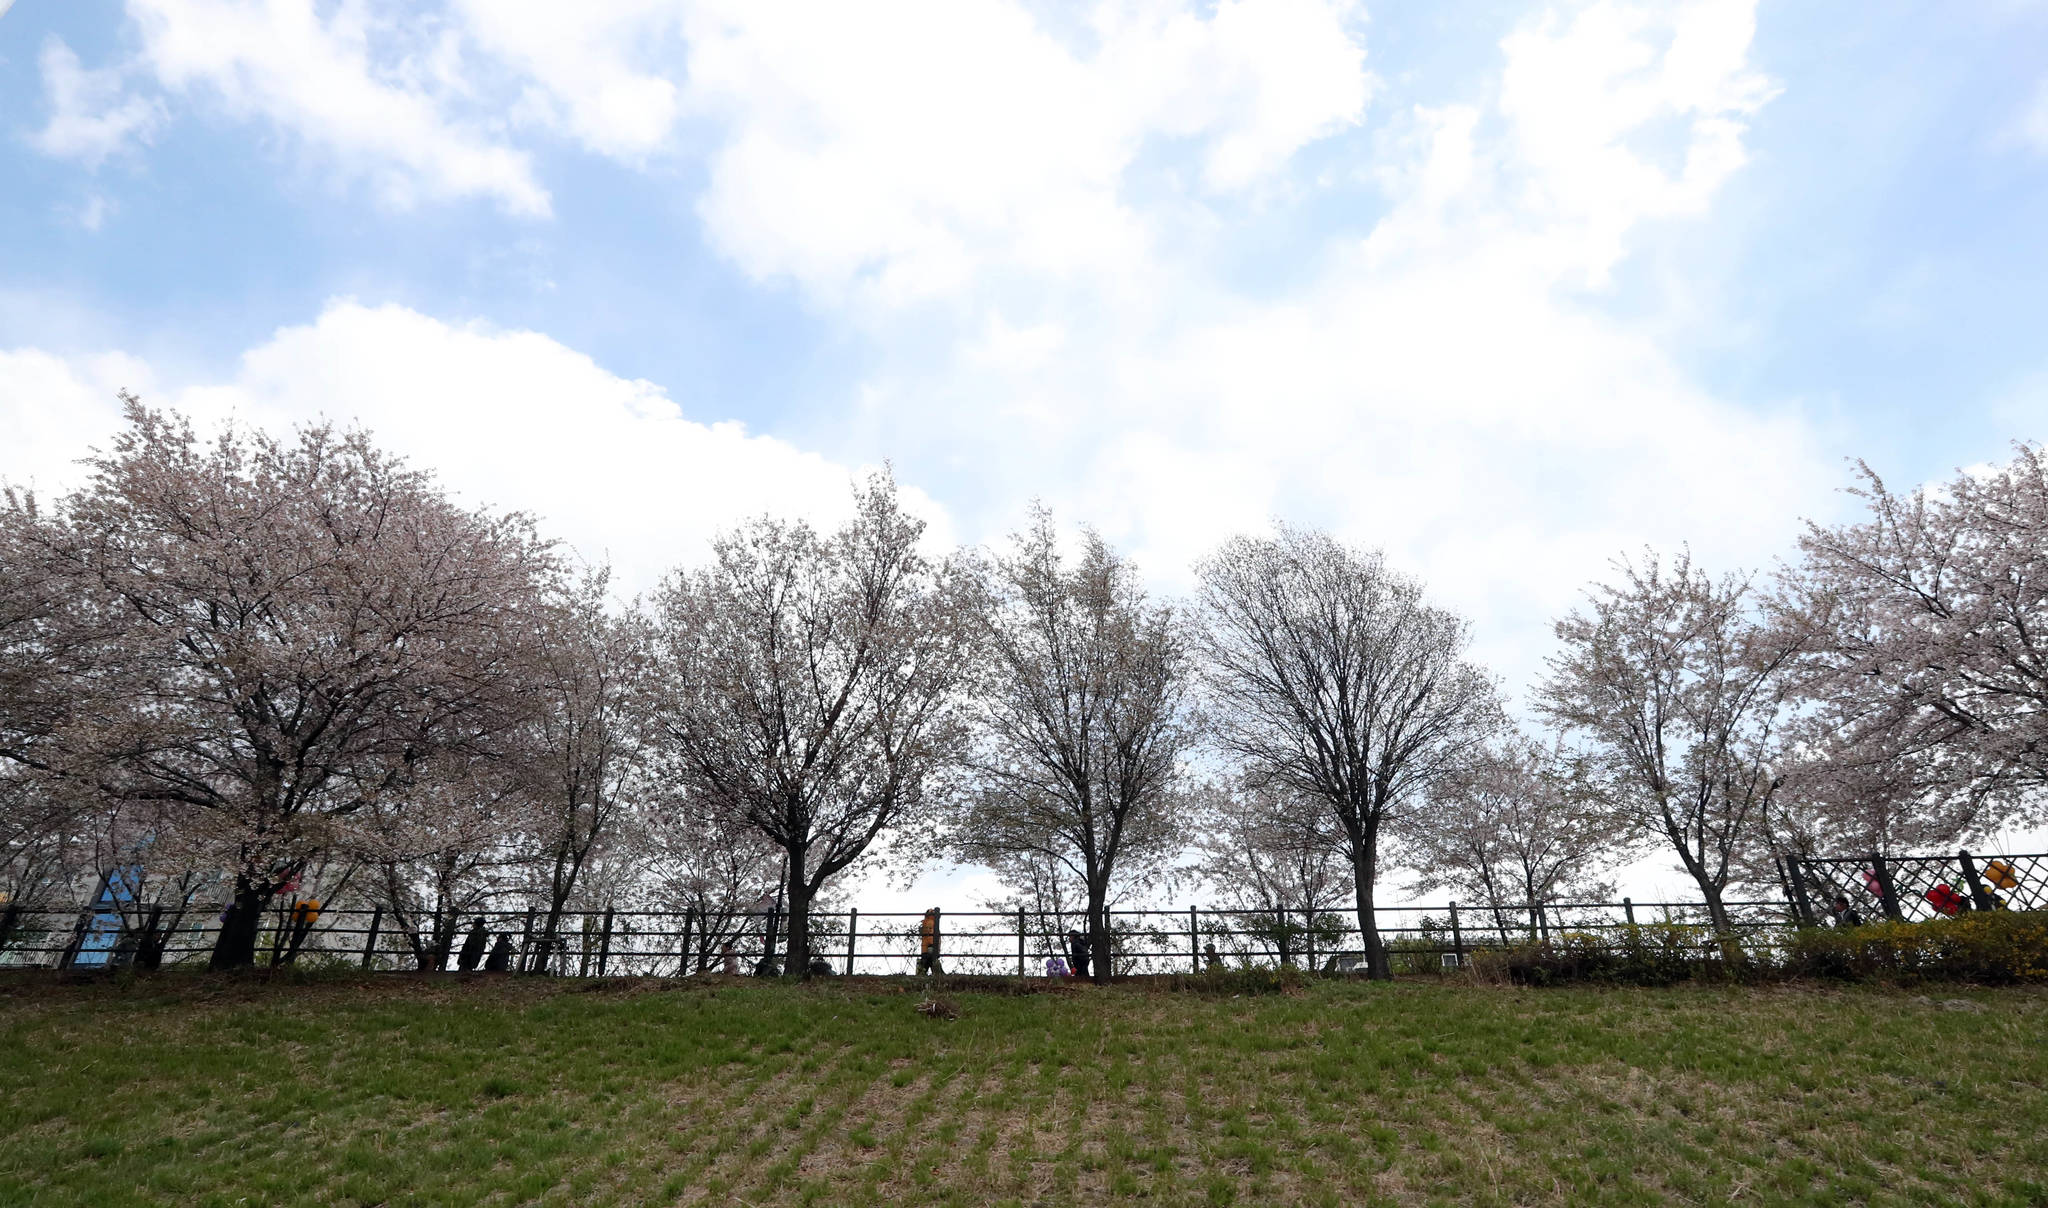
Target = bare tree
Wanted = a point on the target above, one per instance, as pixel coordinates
(1275, 861)
(1083, 720)
(1338, 683)
(814, 687)
(1678, 694)
(1929, 681)
(303, 625)
(1511, 829)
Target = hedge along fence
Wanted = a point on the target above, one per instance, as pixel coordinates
(1992, 947)
(1988, 947)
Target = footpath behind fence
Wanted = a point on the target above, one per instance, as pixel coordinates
(112, 931)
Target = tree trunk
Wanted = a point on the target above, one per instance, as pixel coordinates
(235, 946)
(1724, 927)
(798, 922)
(1376, 966)
(1098, 931)
(1717, 913)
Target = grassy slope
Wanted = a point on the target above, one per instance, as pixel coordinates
(404, 1091)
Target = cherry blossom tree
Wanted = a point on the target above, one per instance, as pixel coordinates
(1337, 683)
(1511, 829)
(446, 848)
(698, 863)
(583, 747)
(814, 688)
(1083, 721)
(1678, 695)
(1275, 861)
(1929, 674)
(304, 626)
(46, 678)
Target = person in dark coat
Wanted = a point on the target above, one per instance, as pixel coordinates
(472, 946)
(500, 959)
(1082, 950)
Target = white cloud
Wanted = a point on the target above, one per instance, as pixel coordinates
(92, 214)
(902, 153)
(506, 418)
(55, 409)
(1581, 92)
(591, 69)
(960, 127)
(92, 115)
(376, 89)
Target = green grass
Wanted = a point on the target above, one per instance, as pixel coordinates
(400, 1090)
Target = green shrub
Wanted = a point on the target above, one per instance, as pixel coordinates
(1258, 979)
(1423, 954)
(1650, 954)
(1997, 947)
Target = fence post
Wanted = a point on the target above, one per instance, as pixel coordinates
(525, 939)
(938, 937)
(1628, 909)
(370, 944)
(1978, 894)
(1885, 892)
(683, 966)
(852, 937)
(1308, 939)
(1020, 941)
(1194, 941)
(1457, 935)
(604, 943)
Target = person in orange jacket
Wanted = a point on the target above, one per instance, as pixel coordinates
(928, 945)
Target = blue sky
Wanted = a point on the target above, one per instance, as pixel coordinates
(1506, 288)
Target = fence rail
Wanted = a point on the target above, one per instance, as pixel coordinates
(675, 943)
(671, 943)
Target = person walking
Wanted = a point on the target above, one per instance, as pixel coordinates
(1082, 950)
(928, 943)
